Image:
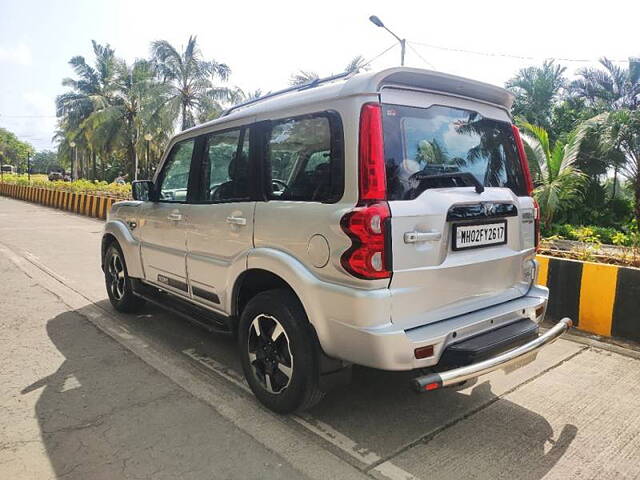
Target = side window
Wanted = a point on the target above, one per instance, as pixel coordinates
(226, 167)
(305, 160)
(175, 173)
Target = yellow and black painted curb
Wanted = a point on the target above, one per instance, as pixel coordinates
(95, 206)
(599, 298)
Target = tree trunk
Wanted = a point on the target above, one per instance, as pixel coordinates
(93, 160)
(132, 161)
(637, 197)
(185, 125)
(615, 182)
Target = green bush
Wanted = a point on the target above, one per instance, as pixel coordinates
(593, 234)
(77, 186)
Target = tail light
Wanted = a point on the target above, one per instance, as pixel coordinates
(524, 163)
(536, 219)
(367, 227)
(523, 160)
(368, 224)
(373, 181)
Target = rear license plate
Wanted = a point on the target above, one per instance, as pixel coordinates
(476, 235)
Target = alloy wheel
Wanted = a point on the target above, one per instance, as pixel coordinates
(116, 276)
(270, 353)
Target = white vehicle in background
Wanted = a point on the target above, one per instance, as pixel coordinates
(382, 219)
(8, 169)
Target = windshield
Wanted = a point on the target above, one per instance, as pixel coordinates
(440, 146)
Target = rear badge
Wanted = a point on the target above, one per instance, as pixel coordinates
(163, 279)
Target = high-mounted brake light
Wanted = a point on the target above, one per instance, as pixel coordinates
(524, 163)
(373, 183)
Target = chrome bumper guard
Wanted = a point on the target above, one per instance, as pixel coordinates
(434, 381)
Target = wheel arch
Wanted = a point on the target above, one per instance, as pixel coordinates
(116, 231)
(254, 281)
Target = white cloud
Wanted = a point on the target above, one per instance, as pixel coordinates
(19, 54)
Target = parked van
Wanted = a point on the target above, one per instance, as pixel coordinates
(8, 169)
(382, 219)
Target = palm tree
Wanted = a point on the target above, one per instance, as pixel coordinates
(612, 88)
(536, 90)
(91, 91)
(558, 182)
(357, 64)
(432, 153)
(301, 77)
(191, 80)
(138, 105)
(620, 133)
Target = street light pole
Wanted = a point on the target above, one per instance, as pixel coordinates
(74, 160)
(29, 166)
(403, 43)
(148, 138)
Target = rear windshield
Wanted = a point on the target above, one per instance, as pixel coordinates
(439, 147)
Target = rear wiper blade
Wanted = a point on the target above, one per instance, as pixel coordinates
(466, 177)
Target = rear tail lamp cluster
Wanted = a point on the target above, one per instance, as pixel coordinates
(524, 163)
(368, 224)
(367, 227)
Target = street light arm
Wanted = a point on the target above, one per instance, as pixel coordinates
(401, 40)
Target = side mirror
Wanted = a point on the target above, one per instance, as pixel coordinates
(142, 190)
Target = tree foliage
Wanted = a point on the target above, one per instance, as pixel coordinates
(536, 90)
(13, 151)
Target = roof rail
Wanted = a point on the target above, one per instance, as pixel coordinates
(304, 86)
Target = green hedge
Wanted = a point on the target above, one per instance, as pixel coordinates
(77, 186)
(593, 234)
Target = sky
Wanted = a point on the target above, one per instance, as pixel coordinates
(264, 42)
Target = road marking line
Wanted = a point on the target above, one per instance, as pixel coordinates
(393, 472)
(338, 439)
(218, 368)
(315, 426)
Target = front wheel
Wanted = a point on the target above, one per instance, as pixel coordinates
(278, 352)
(118, 282)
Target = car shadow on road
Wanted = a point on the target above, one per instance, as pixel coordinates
(442, 432)
(100, 417)
(106, 414)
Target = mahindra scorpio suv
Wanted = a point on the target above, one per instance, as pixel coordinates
(382, 219)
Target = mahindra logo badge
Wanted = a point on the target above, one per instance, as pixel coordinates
(489, 209)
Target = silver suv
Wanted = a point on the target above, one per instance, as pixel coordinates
(383, 219)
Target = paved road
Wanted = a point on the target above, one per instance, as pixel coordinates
(88, 393)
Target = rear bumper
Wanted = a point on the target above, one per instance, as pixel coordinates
(455, 376)
(389, 347)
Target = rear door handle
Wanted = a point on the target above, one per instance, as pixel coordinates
(236, 220)
(176, 217)
(419, 237)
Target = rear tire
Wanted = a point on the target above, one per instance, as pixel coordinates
(278, 352)
(118, 282)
